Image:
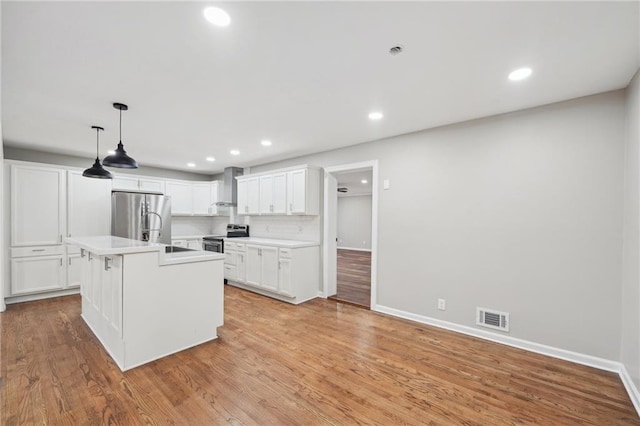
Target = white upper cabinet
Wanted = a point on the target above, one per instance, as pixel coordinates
(297, 192)
(292, 191)
(181, 197)
(273, 194)
(138, 184)
(37, 205)
(205, 195)
(249, 195)
(121, 182)
(201, 198)
(88, 205)
(151, 185)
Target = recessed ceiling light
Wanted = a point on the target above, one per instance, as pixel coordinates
(265, 143)
(363, 181)
(375, 116)
(519, 74)
(191, 164)
(234, 152)
(111, 152)
(217, 16)
(210, 159)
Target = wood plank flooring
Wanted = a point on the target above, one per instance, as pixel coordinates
(321, 362)
(354, 277)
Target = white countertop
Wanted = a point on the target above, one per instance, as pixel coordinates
(104, 245)
(273, 242)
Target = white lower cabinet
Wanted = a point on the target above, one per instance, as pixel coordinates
(288, 274)
(36, 274)
(74, 270)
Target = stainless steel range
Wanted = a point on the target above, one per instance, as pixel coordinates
(216, 242)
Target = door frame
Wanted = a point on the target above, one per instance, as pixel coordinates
(373, 165)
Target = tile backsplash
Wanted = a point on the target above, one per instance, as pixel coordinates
(299, 228)
(193, 225)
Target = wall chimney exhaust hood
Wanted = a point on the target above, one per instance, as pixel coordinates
(230, 187)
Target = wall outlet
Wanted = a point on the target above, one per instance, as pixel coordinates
(442, 304)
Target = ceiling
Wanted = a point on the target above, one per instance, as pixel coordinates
(352, 180)
(304, 75)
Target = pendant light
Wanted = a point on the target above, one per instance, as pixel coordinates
(96, 171)
(120, 159)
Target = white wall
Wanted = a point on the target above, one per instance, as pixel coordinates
(630, 347)
(520, 212)
(354, 222)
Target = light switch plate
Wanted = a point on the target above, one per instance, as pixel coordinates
(386, 184)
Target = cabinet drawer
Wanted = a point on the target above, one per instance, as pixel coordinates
(228, 245)
(37, 251)
(230, 258)
(179, 243)
(240, 248)
(285, 253)
(230, 272)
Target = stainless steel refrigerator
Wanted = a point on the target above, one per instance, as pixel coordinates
(143, 216)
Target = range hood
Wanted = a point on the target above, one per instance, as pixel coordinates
(230, 187)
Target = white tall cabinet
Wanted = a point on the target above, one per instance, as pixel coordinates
(88, 205)
(37, 218)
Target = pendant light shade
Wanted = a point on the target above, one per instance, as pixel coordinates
(120, 159)
(96, 171)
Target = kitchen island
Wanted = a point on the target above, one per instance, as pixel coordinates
(143, 303)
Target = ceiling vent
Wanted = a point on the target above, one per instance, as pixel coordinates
(492, 319)
(343, 190)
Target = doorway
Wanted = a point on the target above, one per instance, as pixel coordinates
(350, 233)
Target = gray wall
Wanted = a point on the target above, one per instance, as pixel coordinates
(354, 222)
(520, 212)
(15, 153)
(630, 349)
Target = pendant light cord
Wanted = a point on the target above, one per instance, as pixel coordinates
(121, 126)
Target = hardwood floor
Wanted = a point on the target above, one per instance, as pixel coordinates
(321, 362)
(354, 277)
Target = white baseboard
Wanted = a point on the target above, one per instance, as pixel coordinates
(353, 248)
(630, 386)
(579, 358)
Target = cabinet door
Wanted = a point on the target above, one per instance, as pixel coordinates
(111, 288)
(201, 198)
(266, 194)
(279, 198)
(243, 205)
(88, 205)
(36, 274)
(152, 185)
(284, 278)
(269, 274)
(37, 205)
(230, 272)
(74, 270)
(253, 196)
(253, 265)
(181, 198)
(122, 182)
(241, 266)
(214, 196)
(296, 189)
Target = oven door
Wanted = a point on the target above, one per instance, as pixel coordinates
(213, 245)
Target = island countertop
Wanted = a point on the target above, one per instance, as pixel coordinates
(104, 245)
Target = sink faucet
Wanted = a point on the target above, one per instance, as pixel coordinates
(146, 231)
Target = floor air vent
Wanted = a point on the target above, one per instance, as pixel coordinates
(493, 319)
